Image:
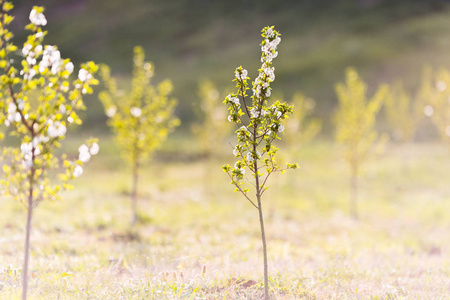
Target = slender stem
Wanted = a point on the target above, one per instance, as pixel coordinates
(27, 248)
(261, 223)
(27, 232)
(263, 238)
(134, 192)
(136, 153)
(354, 193)
(243, 100)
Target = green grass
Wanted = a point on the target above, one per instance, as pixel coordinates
(197, 239)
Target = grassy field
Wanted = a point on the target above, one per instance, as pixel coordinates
(197, 239)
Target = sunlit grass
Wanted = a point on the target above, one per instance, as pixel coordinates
(196, 239)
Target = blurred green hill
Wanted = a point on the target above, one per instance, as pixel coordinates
(190, 40)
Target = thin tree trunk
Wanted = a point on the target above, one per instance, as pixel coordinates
(263, 238)
(263, 234)
(354, 194)
(27, 245)
(134, 193)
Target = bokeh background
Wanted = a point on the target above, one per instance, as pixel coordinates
(191, 40)
(190, 220)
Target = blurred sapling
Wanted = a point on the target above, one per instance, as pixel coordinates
(141, 119)
(355, 126)
(38, 102)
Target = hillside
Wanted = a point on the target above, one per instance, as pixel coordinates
(193, 39)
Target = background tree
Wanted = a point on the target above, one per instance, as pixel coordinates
(38, 101)
(260, 128)
(213, 129)
(404, 112)
(141, 119)
(438, 109)
(355, 126)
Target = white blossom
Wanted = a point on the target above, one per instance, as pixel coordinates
(83, 75)
(255, 112)
(56, 66)
(94, 149)
(135, 111)
(250, 157)
(84, 154)
(235, 152)
(56, 129)
(69, 67)
(428, 110)
(269, 32)
(30, 74)
(39, 139)
(280, 128)
(27, 163)
(26, 148)
(11, 108)
(26, 49)
(239, 169)
(235, 100)
(230, 119)
(51, 57)
(64, 88)
(20, 104)
(14, 117)
(111, 111)
(83, 148)
(31, 60)
(77, 171)
(241, 75)
(37, 19)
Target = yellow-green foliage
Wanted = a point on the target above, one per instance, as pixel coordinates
(142, 118)
(404, 114)
(355, 118)
(213, 128)
(39, 99)
(301, 127)
(438, 90)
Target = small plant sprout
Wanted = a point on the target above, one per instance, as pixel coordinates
(301, 127)
(355, 121)
(141, 119)
(438, 108)
(213, 128)
(259, 125)
(38, 101)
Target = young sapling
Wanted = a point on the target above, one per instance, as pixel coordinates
(355, 126)
(38, 102)
(141, 119)
(259, 125)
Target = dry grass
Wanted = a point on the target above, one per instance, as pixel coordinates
(199, 240)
